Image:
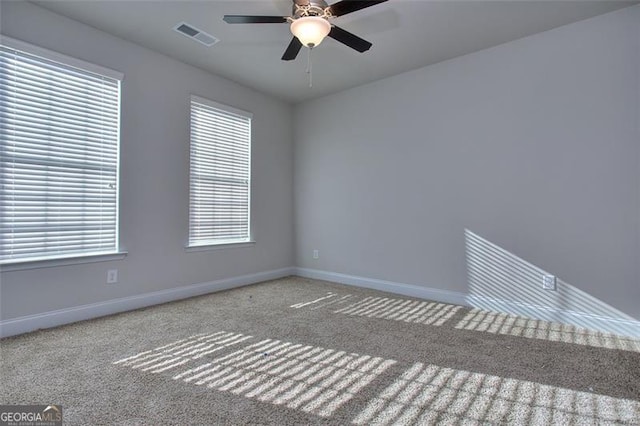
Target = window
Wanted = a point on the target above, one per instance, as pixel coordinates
(219, 174)
(59, 137)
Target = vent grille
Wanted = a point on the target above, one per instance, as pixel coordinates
(193, 33)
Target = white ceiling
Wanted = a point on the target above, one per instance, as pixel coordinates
(406, 34)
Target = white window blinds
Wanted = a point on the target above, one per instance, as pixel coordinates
(219, 174)
(59, 129)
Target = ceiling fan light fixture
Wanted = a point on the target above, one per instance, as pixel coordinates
(310, 30)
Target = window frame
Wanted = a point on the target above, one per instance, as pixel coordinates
(221, 244)
(43, 261)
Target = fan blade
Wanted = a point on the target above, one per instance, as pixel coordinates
(245, 19)
(351, 40)
(293, 49)
(347, 6)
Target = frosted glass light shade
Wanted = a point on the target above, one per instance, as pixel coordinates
(310, 30)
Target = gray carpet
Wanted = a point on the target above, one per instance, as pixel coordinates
(297, 351)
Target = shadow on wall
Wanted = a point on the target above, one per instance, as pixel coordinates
(500, 281)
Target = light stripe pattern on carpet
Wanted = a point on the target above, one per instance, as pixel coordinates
(182, 351)
(429, 394)
(500, 323)
(313, 379)
(342, 355)
(407, 310)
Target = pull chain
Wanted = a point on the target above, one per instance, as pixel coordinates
(309, 67)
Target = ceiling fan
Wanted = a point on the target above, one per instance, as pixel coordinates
(310, 24)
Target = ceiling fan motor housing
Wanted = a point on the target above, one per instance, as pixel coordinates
(303, 8)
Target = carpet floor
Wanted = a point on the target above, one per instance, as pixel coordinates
(297, 351)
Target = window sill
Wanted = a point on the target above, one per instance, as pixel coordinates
(19, 265)
(209, 247)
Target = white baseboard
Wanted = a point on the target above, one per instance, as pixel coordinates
(410, 290)
(618, 326)
(49, 319)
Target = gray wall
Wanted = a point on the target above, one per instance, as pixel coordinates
(532, 147)
(154, 174)
(475, 175)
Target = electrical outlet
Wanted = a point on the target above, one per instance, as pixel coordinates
(112, 276)
(316, 254)
(549, 282)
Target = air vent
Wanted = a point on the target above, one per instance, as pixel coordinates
(195, 34)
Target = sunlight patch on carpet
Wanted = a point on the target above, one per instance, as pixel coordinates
(428, 394)
(313, 379)
(329, 299)
(499, 323)
(407, 310)
(182, 351)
